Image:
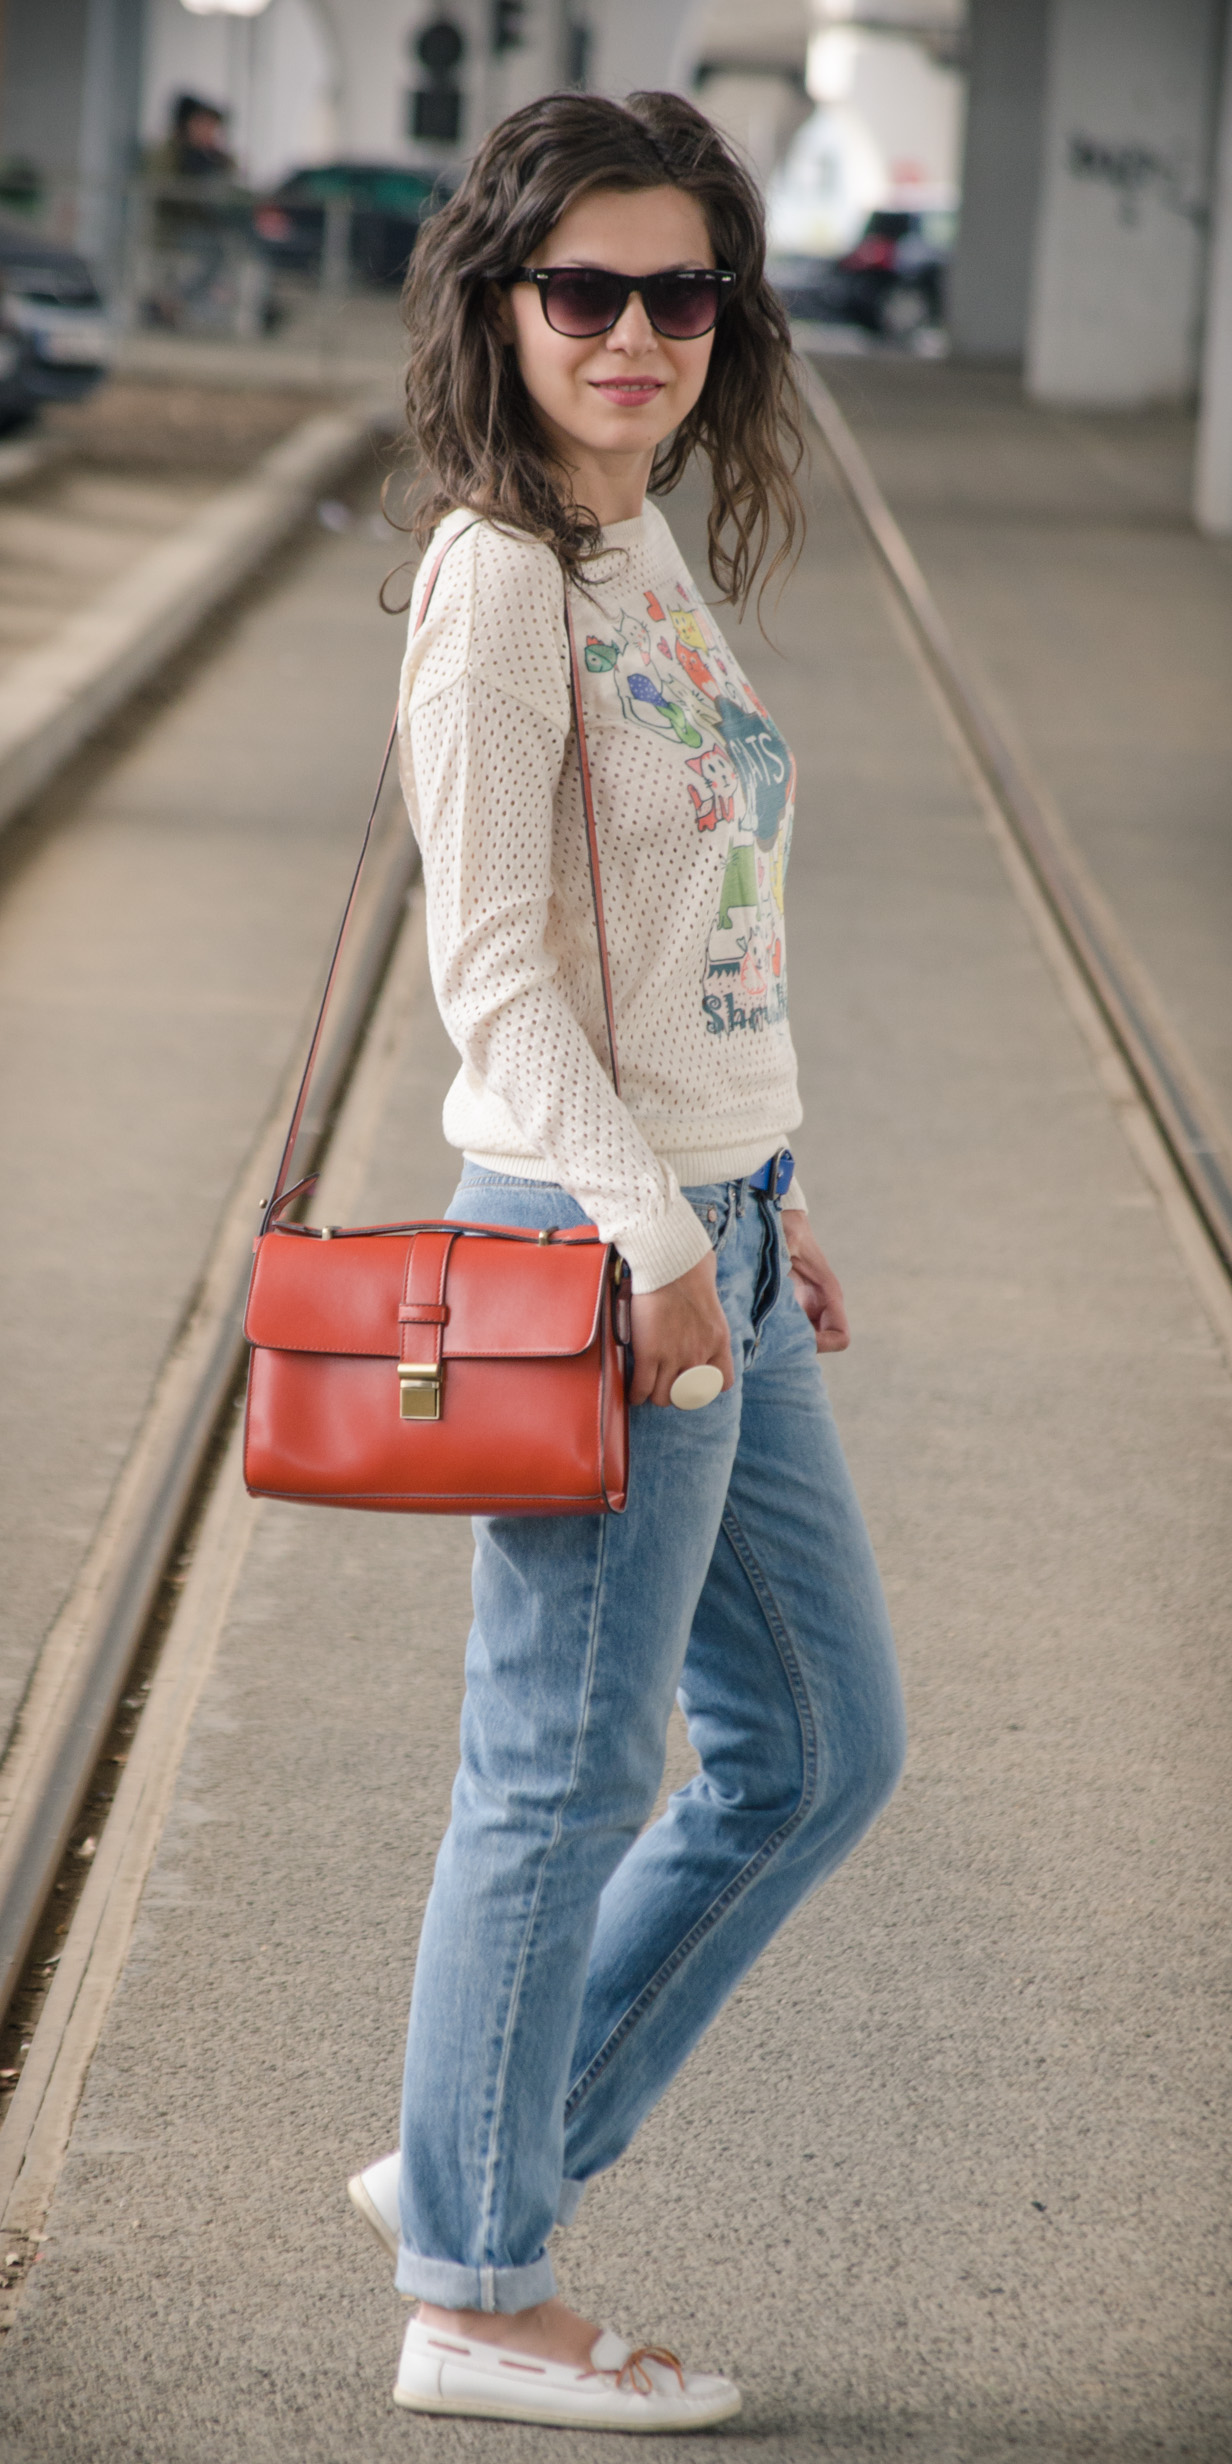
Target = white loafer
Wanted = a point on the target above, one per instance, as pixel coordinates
(625, 2388)
(375, 2193)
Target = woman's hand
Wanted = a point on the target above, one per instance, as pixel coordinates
(679, 1327)
(816, 1284)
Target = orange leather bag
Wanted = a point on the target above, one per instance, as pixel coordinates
(439, 1368)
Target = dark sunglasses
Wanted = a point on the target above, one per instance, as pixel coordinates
(582, 300)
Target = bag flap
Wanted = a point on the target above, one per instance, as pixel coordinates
(507, 1299)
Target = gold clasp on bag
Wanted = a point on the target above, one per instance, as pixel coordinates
(419, 1390)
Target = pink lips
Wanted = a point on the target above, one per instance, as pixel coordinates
(615, 390)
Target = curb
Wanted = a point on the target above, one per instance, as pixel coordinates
(319, 367)
(84, 1663)
(39, 2122)
(23, 457)
(54, 697)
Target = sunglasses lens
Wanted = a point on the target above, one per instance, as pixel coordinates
(681, 306)
(582, 302)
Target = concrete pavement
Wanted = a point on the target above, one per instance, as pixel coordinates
(944, 2181)
(1061, 549)
(161, 931)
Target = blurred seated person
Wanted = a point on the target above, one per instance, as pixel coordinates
(193, 148)
(190, 238)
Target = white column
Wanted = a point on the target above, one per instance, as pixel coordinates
(1213, 461)
(1116, 294)
(635, 43)
(539, 65)
(990, 278)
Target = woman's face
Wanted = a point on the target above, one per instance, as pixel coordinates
(618, 394)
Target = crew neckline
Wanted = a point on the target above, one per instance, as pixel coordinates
(627, 534)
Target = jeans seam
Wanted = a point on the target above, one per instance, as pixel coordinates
(769, 1848)
(489, 2188)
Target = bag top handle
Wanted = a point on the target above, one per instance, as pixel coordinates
(283, 1195)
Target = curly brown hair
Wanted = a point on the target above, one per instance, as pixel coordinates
(471, 420)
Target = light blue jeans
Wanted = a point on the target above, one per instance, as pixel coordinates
(570, 1959)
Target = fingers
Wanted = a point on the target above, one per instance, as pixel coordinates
(671, 1365)
(820, 1296)
(833, 1332)
(833, 1339)
(656, 1369)
(645, 1373)
(817, 1287)
(681, 1326)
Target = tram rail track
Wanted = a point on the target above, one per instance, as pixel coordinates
(59, 690)
(84, 1666)
(175, 1651)
(160, 1506)
(1185, 1116)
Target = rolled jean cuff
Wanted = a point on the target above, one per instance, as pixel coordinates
(450, 2287)
(571, 2197)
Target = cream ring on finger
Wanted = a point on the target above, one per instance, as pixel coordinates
(696, 1387)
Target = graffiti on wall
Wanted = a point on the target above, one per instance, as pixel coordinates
(1134, 172)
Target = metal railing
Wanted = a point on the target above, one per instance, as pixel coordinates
(189, 257)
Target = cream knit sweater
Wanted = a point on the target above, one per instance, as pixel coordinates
(693, 789)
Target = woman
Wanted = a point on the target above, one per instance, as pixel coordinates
(588, 310)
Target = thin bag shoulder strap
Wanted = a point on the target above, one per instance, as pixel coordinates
(282, 1194)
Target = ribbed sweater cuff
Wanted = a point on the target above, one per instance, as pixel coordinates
(795, 1195)
(665, 1249)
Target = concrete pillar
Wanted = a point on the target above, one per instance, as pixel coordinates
(1116, 293)
(1213, 463)
(634, 43)
(71, 99)
(759, 109)
(540, 63)
(324, 140)
(107, 141)
(990, 278)
(378, 71)
(41, 99)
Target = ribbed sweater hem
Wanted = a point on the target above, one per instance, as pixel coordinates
(695, 1167)
(659, 1251)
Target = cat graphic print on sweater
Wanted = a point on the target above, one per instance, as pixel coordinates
(694, 792)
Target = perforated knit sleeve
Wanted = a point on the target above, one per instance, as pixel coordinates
(484, 770)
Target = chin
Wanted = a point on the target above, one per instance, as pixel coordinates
(643, 425)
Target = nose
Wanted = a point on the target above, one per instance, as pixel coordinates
(633, 331)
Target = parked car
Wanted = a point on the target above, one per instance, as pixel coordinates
(893, 280)
(805, 285)
(386, 201)
(54, 343)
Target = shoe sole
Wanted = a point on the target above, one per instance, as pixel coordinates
(545, 2417)
(367, 2208)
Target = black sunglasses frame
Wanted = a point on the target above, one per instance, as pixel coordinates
(543, 275)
